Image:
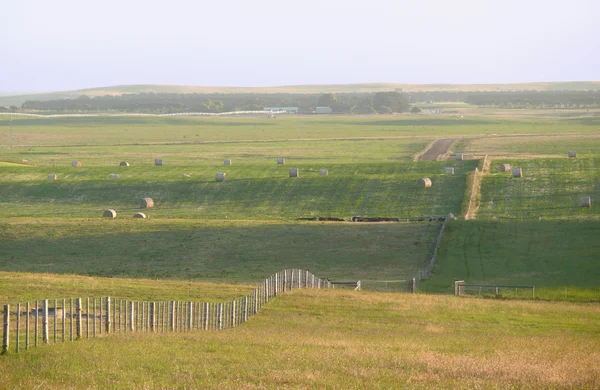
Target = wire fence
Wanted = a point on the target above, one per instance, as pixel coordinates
(30, 324)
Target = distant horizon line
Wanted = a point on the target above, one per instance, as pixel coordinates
(282, 86)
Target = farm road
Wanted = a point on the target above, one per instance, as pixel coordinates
(439, 147)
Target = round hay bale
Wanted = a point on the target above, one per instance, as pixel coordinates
(123, 164)
(147, 203)
(459, 156)
(221, 176)
(23, 161)
(281, 161)
(227, 162)
(517, 172)
(139, 215)
(52, 176)
(586, 201)
(158, 162)
(425, 182)
(294, 172)
(572, 154)
(187, 175)
(77, 164)
(449, 171)
(114, 176)
(109, 213)
(505, 168)
(323, 172)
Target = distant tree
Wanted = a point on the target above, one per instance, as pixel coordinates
(384, 102)
(415, 109)
(13, 108)
(327, 100)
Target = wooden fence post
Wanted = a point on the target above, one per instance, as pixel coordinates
(245, 309)
(5, 330)
(233, 313)
(37, 322)
(18, 326)
(220, 316)
(152, 316)
(45, 321)
(132, 316)
(190, 315)
(78, 324)
(27, 308)
(55, 318)
(107, 324)
(413, 285)
(457, 287)
(172, 324)
(87, 317)
(71, 318)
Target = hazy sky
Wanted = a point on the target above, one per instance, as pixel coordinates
(63, 44)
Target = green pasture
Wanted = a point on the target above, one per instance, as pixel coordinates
(213, 154)
(259, 192)
(340, 339)
(549, 188)
(559, 257)
(34, 132)
(224, 251)
(548, 145)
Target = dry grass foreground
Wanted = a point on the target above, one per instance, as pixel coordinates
(341, 339)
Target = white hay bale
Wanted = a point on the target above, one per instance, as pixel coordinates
(505, 168)
(323, 172)
(23, 161)
(425, 182)
(52, 176)
(586, 201)
(123, 164)
(449, 171)
(572, 154)
(227, 162)
(221, 176)
(109, 213)
(114, 176)
(158, 161)
(77, 164)
(517, 172)
(147, 203)
(187, 175)
(459, 156)
(294, 172)
(139, 215)
(281, 161)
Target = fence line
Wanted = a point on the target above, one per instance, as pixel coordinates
(118, 315)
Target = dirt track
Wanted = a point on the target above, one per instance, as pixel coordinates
(439, 147)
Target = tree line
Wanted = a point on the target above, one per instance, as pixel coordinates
(342, 103)
(162, 103)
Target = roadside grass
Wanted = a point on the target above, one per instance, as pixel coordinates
(223, 251)
(559, 257)
(260, 192)
(549, 188)
(339, 339)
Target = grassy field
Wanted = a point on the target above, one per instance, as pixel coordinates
(122, 130)
(547, 146)
(338, 339)
(549, 188)
(558, 257)
(224, 251)
(252, 191)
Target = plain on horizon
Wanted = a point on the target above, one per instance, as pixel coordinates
(68, 44)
